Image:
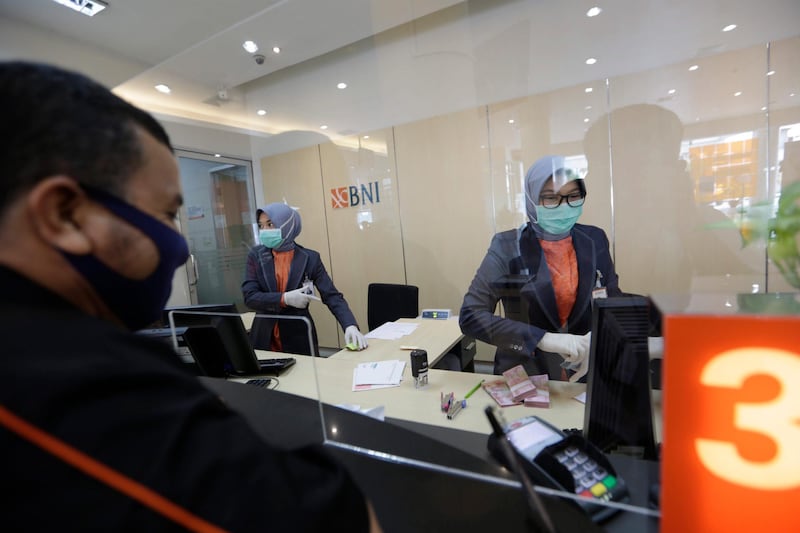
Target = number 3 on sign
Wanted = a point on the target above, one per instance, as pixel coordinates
(778, 419)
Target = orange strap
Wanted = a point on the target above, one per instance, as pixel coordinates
(104, 474)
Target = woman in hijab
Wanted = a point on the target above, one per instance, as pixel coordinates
(549, 269)
(279, 279)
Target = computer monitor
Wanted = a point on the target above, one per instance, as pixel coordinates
(218, 342)
(619, 415)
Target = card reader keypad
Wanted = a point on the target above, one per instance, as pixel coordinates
(591, 479)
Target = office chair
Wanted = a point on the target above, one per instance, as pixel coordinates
(386, 302)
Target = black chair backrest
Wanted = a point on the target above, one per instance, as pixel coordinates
(386, 302)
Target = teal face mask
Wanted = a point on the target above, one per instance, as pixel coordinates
(558, 220)
(271, 238)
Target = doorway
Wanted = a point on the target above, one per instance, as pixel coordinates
(218, 222)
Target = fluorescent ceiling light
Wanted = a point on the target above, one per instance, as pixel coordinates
(323, 127)
(591, 61)
(261, 112)
(694, 67)
(250, 47)
(163, 88)
(594, 11)
(87, 7)
(588, 90)
(341, 85)
(729, 27)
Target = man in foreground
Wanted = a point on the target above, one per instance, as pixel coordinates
(102, 429)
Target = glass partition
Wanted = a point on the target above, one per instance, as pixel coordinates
(675, 147)
(409, 154)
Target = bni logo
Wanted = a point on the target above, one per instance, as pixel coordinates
(353, 195)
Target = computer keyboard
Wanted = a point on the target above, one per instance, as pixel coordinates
(261, 382)
(275, 365)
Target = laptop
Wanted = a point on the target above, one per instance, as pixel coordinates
(222, 348)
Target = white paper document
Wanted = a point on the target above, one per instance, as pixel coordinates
(379, 374)
(392, 330)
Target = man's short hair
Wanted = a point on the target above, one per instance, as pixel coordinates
(53, 121)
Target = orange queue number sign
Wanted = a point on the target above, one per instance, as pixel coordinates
(731, 426)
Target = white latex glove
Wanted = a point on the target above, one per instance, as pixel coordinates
(353, 336)
(573, 348)
(298, 298)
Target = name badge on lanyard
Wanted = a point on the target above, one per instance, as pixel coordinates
(599, 291)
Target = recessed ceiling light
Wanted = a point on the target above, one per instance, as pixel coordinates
(586, 120)
(276, 49)
(87, 7)
(763, 108)
(588, 107)
(323, 127)
(694, 67)
(163, 88)
(511, 121)
(588, 90)
(594, 11)
(791, 94)
(770, 73)
(341, 85)
(250, 47)
(366, 136)
(671, 91)
(737, 93)
(261, 112)
(729, 27)
(591, 61)
(217, 155)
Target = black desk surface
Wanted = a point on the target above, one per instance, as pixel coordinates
(413, 497)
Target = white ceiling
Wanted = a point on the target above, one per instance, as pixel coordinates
(409, 59)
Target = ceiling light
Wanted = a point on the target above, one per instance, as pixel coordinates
(341, 85)
(694, 67)
(737, 93)
(323, 127)
(276, 49)
(366, 136)
(87, 7)
(588, 90)
(250, 47)
(594, 11)
(217, 155)
(261, 112)
(511, 121)
(763, 108)
(770, 73)
(163, 88)
(591, 61)
(588, 107)
(671, 91)
(729, 27)
(586, 120)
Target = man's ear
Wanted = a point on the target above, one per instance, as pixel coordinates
(58, 209)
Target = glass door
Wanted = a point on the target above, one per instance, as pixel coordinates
(218, 221)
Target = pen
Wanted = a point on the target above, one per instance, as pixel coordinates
(473, 389)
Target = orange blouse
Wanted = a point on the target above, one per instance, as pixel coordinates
(563, 266)
(283, 262)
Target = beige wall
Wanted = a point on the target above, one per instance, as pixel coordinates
(449, 182)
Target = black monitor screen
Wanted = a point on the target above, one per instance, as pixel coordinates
(618, 416)
(218, 342)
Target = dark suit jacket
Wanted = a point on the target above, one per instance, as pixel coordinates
(515, 271)
(260, 290)
(126, 401)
